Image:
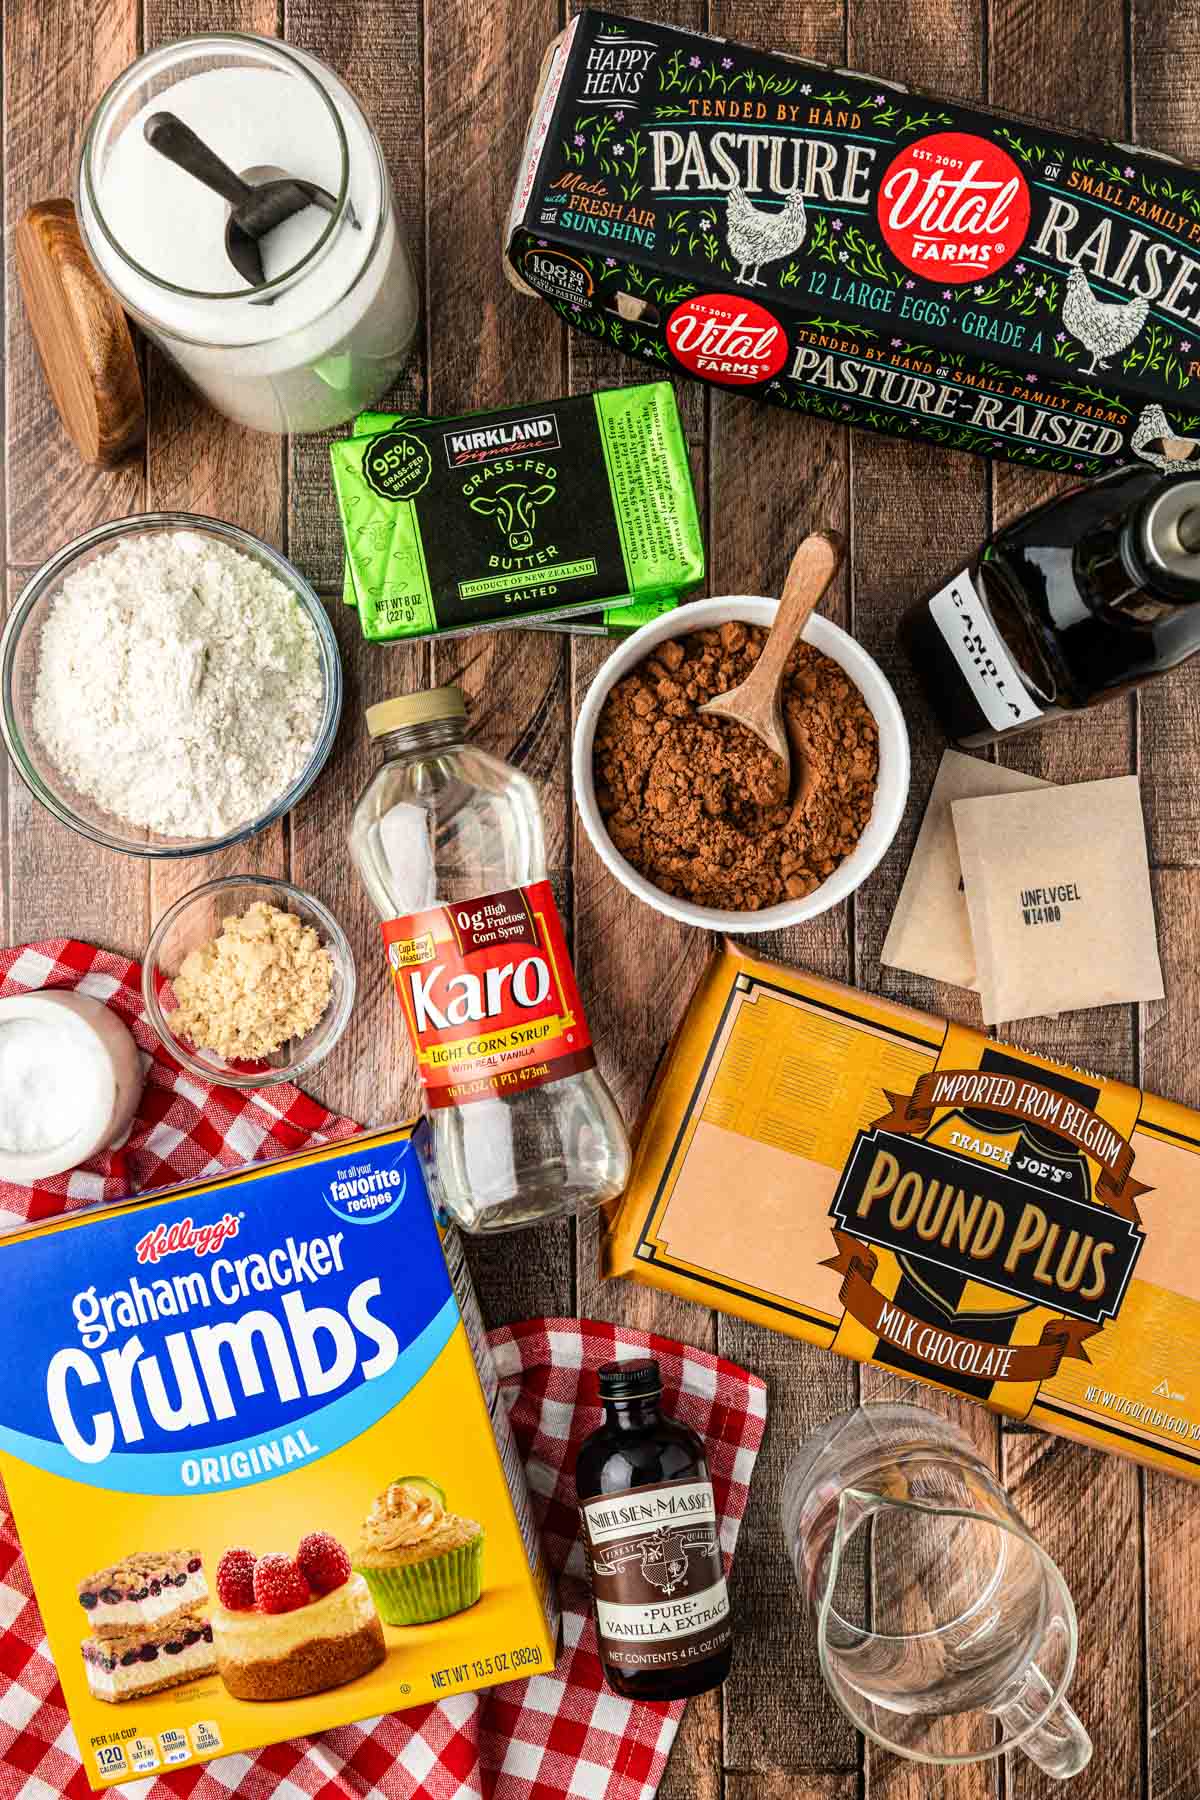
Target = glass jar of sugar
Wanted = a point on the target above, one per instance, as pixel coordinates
(332, 326)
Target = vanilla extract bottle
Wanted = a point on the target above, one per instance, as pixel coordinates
(652, 1539)
(1074, 604)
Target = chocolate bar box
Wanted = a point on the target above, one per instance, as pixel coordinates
(915, 1195)
(837, 244)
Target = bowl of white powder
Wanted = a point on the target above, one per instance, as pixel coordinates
(171, 685)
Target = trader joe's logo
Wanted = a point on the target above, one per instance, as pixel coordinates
(954, 207)
(983, 1199)
(727, 338)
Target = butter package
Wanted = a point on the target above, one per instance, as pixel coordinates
(838, 244)
(529, 513)
(920, 1197)
(254, 1447)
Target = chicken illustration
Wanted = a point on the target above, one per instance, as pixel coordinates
(756, 237)
(663, 1555)
(1156, 443)
(1103, 327)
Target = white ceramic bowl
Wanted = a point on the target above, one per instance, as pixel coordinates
(890, 795)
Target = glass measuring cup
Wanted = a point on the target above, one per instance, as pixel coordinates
(945, 1632)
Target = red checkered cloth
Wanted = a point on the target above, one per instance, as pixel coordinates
(563, 1736)
(184, 1128)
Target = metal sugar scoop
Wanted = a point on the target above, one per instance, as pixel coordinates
(258, 207)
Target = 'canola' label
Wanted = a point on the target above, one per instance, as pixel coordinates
(489, 995)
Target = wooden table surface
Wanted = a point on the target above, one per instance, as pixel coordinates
(448, 86)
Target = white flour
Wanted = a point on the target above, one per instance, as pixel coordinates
(179, 684)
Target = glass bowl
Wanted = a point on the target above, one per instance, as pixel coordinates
(19, 652)
(197, 918)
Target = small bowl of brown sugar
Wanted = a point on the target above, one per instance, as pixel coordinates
(248, 982)
(685, 810)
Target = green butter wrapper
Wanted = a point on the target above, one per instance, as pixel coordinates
(613, 622)
(418, 1593)
(539, 512)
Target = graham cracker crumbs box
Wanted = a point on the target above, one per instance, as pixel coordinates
(836, 243)
(255, 1450)
(917, 1196)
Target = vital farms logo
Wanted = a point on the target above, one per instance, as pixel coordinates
(954, 207)
(995, 1193)
(200, 1240)
(727, 338)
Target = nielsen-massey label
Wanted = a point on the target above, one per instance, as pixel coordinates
(987, 666)
(658, 1580)
(939, 1205)
(489, 995)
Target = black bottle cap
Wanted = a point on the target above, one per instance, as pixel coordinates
(636, 1380)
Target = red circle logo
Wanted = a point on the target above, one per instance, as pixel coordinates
(954, 207)
(727, 338)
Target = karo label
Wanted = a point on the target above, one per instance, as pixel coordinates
(727, 338)
(954, 207)
(489, 995)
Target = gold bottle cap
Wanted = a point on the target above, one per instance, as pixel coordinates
(415, 709)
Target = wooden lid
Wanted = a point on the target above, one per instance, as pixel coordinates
(82, 335)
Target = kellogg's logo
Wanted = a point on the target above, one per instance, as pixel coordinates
(727, 338)
(202, 1240)
(954, 207)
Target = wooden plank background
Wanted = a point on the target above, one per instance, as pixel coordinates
(447, 84)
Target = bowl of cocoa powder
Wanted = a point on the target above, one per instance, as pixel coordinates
(685, 810)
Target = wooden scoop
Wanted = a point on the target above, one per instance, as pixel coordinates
(754, 703)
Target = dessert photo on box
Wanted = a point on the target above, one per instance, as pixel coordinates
(150, 1627)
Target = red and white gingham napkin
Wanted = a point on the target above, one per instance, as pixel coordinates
(563, 1736)
(184, 1129)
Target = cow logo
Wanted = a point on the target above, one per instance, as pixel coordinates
(954, 207)
(514, 505)
(396, 465)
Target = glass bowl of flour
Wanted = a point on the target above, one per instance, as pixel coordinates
(171, 685)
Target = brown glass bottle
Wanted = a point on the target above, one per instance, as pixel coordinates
(652, 1538)
(1089, 595)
